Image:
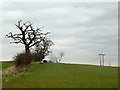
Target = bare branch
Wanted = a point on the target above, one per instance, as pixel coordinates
(34, 44)
(19, 25)
(27, 26)
(30, 36)
(17, 42)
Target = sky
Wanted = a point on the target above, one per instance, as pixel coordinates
(81, 30)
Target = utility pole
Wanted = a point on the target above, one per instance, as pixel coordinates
(103, 58)
(100, 59)
(102, 62)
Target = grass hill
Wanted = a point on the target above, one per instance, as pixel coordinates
(6, 64)
(56, 75)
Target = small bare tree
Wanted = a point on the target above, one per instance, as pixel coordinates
(56, 59)
(61, 56)
(42, 49)
(52, 57)
(28, 35)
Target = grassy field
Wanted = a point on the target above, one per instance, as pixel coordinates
(7, 64)
(64, 76)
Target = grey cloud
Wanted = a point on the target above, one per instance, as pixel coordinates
(78, 29)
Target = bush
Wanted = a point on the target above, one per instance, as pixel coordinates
(37, 57)
(22, 60)
(50, 61)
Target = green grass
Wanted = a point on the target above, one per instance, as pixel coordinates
(64, 76)
(6, 64)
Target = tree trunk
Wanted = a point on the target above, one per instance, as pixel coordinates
(27, 50)
(42, 57)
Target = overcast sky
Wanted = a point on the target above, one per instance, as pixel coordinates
(80, 30)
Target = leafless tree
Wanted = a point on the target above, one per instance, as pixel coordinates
(28, 36)
(61, 56)
(52, 57)
(56, 59)
(42, 49)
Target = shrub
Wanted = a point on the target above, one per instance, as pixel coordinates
(37, 57)
(22, 60)
(50, 61)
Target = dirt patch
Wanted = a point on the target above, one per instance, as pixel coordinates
(9, 70)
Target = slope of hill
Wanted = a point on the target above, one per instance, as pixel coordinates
(52, 75)
(6, 64)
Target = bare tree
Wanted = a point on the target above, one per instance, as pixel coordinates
(28, 35)
(56, 59)
(61, 56)
(53, 58)
(42, 49)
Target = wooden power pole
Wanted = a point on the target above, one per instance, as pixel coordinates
(103, 58)
(100, 59)
(102, 62)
